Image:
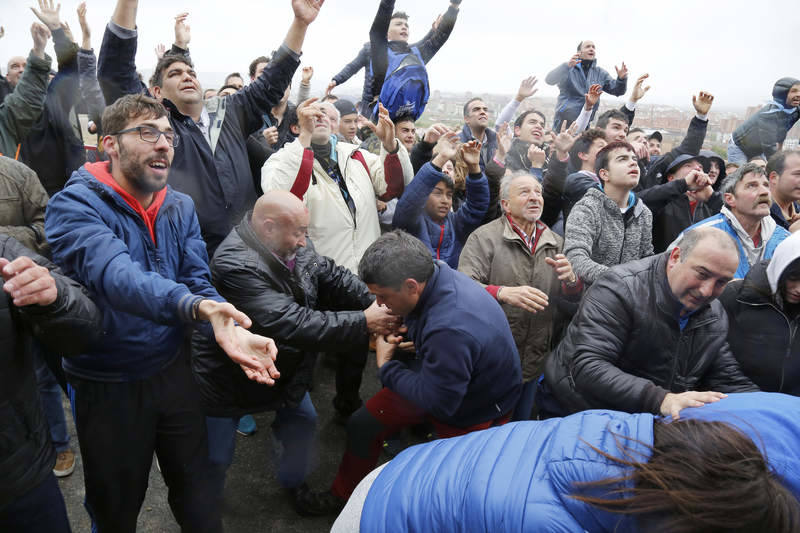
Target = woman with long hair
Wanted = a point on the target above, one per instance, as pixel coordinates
(731, 466)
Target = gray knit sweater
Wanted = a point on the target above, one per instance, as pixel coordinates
(598, 235)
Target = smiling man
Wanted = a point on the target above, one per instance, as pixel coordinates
(610, 225)
(746, 217)
(465, 375)
(527, 151)
(650, 335)
(135, 244)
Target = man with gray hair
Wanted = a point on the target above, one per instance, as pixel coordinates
(519, 261)
(746, 217)
(650, 335)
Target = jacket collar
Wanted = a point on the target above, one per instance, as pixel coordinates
(547, 238)
(430, 288)
(755, 289)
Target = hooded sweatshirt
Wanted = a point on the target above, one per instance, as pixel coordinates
(761, 133)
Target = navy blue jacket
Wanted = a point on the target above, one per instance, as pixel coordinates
(145, 291)
(573, 83)
(218, 179)
(520, 477)
(444, 240)
(761, 133)
(469, 366)
(489, 147)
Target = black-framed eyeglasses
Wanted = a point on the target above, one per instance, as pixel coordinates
(149, 134)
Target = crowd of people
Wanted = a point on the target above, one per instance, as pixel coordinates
(598, 336)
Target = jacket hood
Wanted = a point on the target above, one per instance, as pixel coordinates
(781, 89)
(785, 254)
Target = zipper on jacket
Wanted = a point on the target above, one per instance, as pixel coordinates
(791, 336)
(675, 361)
(441, 238)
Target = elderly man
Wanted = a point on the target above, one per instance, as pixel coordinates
(649, 336)
(746, 217)
(519, 261)
(466, 373)
(338, 183)
(302, 300)
(135, 244)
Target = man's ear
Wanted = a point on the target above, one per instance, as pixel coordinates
(773, 178)
(109, 143)
(156, 90)
(412, 285)
(583, 156)
(602, 174)
(674, 257)
(730, 200)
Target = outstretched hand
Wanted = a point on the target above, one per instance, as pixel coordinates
(471, 153)
(307, 115)
(40, 35)
(503, 141)
(702, 102)
(593, 96)
(446, 148)
(384, 130)
(638, 90)
(622, 72)
(562, 268)
(308, 73)
(85, 29)
(183, 32)
(527, 88)
(306, 10)
(28, 283)
(564, 140)
(48, 14)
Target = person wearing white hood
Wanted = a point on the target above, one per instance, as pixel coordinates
(746, 217)
(764, 315)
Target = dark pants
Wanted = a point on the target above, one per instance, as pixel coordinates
(120, 425)
(40, 509)
(349, 369)
(382, 415)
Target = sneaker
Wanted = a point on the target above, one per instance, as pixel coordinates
(65, 463)
(247, 426)
(309, 503)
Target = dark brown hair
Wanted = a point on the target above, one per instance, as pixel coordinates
(131, 106)
(702, 477)
(163, 64)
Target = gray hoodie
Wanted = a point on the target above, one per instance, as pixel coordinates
(599, 235)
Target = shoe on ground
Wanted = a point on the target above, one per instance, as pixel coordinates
(247, 426)
(309, 503)
(65, 463)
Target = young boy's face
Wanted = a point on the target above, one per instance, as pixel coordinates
(398, 30)
(440, 200)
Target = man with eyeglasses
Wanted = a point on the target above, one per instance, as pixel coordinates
(135, 244)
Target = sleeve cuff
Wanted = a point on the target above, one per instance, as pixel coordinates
(119, 31)
(291, 53)
(631, 106)
(493, 289)
(701, 117)
(476, 176)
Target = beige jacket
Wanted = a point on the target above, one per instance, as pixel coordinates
(332, 229)
(23, 201)
(495, 255)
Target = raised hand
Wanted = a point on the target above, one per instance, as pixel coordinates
(85, 29)
(622, 72)
(527, 88)
(638, 90)
(536, 156)
(696, 180)
(67, 32)
(564, 140)
(183, 32)
(434, 132)
(471, 153)
(330, 87)
(385, 129)
(307, 115)
(48, 14)
(160, 50)
(28, 283)
(2, 32)
(593, 96)
(40, 35)
(562, 267)
(503, 141)
(306, 10)
(574, 60)
(308, 73)
(435, 25)
(446, 148)
(702, 103)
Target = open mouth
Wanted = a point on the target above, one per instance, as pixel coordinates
(159, 165)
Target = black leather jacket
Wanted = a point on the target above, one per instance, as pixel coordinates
(26, 454)
(624, 349)
(316, 307)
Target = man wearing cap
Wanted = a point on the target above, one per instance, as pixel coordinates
(696, 202)
(746, 217)
(348, 121)
(654, 144)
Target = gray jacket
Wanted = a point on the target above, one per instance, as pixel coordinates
(598, 235)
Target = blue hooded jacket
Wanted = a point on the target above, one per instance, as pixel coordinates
(519, 477)
(444, 240)
(144, 290)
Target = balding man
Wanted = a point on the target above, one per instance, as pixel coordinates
(267, 266)
(650, 335)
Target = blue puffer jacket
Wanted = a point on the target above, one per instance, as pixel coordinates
(518, 477)
(573, 83)
(144, 291)
(445, 240)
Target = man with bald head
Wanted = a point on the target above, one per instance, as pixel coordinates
(269, 268)
(650, 335)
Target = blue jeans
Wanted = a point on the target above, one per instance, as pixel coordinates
(293, 430)
(50, 394)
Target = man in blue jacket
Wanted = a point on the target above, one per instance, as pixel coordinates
(466, 373)
(211, 163)
(135, 244)
(424, 210)
(574, 79)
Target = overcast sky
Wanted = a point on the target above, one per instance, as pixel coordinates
(735, 49)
